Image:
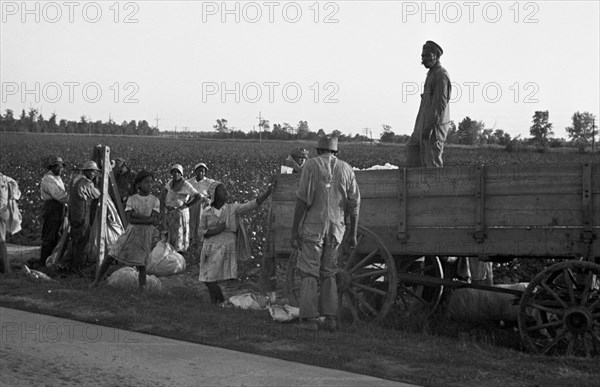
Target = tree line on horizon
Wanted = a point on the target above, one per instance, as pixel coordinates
(468, 132)
(34, 122)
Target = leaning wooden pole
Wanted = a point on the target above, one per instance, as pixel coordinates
(104, 182)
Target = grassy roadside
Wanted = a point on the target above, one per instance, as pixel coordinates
(414, 357)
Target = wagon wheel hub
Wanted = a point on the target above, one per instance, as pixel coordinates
(578, 320)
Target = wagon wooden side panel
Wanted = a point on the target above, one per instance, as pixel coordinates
(494, 211)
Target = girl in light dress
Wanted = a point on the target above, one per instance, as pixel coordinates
(220, 228)
(134, 246)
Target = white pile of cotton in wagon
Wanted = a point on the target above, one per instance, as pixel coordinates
(377, 167)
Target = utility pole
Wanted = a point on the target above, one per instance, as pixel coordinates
(157, 119)
(593, 135)
(259, 127)
(368, 133)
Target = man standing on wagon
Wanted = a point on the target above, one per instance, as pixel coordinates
(327, 194)
(426, 144)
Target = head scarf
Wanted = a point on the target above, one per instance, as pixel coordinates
(212, 188)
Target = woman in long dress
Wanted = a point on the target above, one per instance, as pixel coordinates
(218, 226)
(178, 195)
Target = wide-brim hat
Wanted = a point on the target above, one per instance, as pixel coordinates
(54, 160)
(177, 167)
(90, 166)
(328, 143)
(200, 165)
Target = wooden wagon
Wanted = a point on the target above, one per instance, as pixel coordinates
(410, 218)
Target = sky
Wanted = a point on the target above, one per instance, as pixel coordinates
(345, 65)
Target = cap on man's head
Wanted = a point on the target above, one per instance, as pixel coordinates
(177, 167)
(54, 160)
(299, 152)
(328, 143)
(90, 166)
(200, 165)
(431, 46)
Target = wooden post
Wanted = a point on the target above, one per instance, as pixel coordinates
(268, 273)
(104, 182)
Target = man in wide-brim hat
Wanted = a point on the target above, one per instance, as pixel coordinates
(83, 192)
(54, 196)
(325, 179)
(426, 144)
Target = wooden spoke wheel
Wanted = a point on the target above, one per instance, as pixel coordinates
(366, 279)
(417, 297)
(559, 313)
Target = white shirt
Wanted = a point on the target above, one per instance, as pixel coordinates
(52, 187)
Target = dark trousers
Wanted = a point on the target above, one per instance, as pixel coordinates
(80, 234)
(52, 220)
(215, 293)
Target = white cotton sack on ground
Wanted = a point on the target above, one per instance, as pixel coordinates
(127, 277)
(164, 260)
(482, 305)
(248, 301)
(284, 313)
